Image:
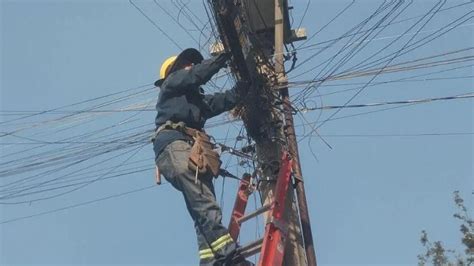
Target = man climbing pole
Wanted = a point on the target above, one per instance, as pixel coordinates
(183, 152)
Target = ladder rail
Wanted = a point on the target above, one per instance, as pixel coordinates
(272, 245)
(239, 206)
(273, 248)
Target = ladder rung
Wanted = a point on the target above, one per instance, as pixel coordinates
(251, 248)
(257, 212)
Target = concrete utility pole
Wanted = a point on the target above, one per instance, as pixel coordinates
(254, 31)
(291, 135)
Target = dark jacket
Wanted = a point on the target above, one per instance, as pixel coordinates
(181, 99)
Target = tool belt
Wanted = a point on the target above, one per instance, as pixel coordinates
(202, 158)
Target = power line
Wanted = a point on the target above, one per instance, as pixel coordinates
(146, 86)
(122, 110)
(156, 26)
(101, 146)
(397, 135)
(325, 26)
(426, 100)
(80, 186)
(40, 189)
(177, 22)
(311, 133)
(359, 41)
(78, 204)
(396, 54)
(399, 67)
(419, 43)
(300, 47)
(304, 13)
(412, 47)
(346, 53)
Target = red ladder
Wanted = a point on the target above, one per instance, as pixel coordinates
(272, 245)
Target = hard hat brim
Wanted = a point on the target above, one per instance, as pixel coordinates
(192, 55)
(159, 82)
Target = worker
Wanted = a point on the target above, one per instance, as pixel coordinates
(183, 109)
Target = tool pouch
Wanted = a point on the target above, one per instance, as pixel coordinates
(203, 157)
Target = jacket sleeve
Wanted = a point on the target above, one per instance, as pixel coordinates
(198, 74)
(223, 101)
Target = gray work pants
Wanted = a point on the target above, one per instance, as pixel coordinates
(215, 244)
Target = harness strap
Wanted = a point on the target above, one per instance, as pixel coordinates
(202, 159)
(180, 126)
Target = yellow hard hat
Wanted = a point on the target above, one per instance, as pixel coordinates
(165, 69)
(192, 55)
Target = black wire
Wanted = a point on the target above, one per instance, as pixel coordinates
(126, 97)
(358, 28)
(79, 187)
(457, 97)
(78, 103)
(156, 26)
(78, 204)
(397, 54)
(91, 174)
(371, 64)
(350, 53)
(304, 14)
(71, 154)
(353, 51)
(389, 82)
(185, 6)
(397, 135)
(32, 191)
(177, 22)
(310, 82)
(332, 73)
(325, 25)
(395, 22)
(72, 139)
(364, 113)
(16, 160)
(359, 71)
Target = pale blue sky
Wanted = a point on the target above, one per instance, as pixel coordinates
(369, 196)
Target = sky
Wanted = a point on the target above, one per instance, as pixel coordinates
(381, 179)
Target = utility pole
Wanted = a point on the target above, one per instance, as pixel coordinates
(291, 135)
(253, 31)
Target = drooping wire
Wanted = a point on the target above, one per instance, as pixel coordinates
(392, 58)
(156, 25)
(78, 204)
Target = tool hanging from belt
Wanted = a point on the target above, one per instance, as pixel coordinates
(203, 158)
